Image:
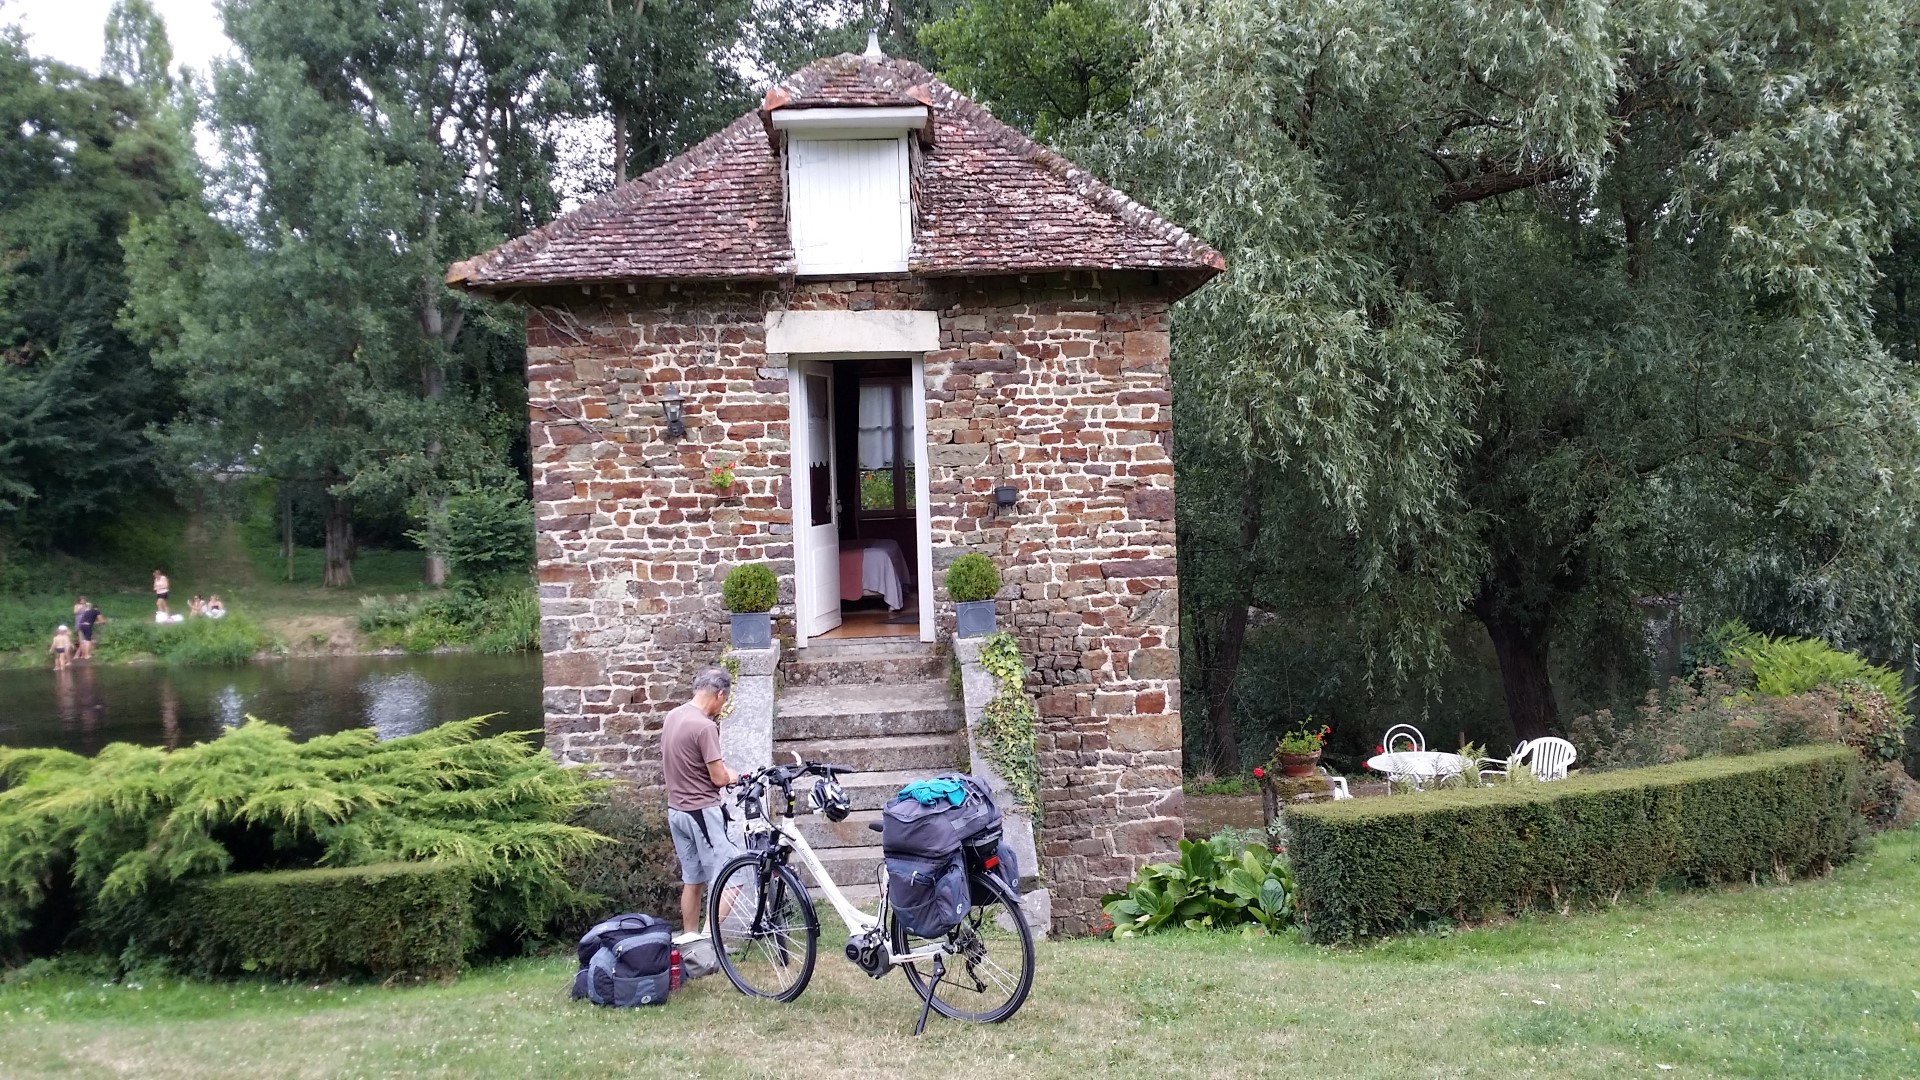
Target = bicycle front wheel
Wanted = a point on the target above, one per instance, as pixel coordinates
(989, 968)
(764, 930)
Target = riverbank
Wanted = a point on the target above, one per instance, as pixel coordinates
(388, 609)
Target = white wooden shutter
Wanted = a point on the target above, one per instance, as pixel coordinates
(850, 205)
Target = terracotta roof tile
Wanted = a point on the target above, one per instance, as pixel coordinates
(990, 201)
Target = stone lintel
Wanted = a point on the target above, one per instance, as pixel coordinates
(883, 333)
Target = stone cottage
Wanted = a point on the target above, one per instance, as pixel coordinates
(909, 332)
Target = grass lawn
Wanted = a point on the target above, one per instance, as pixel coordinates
(1817, 979)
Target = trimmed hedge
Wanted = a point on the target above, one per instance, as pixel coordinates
(387, 919)
(1367, 867)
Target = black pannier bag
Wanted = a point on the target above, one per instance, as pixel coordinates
(928, 894)
(989, 853)
(625, 961)
(910, 827)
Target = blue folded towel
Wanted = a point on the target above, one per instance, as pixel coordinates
(928, 792)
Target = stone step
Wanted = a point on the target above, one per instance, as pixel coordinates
(853, 832)
(856, 669)
(843, 712)
(851, 648)
(885, 753)
(871, 790)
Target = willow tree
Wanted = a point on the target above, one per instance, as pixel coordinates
(1536, 310)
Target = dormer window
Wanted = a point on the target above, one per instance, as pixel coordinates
(849, 196)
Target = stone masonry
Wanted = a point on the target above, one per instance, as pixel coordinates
(1054, 383)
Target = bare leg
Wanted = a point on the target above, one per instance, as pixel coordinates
(690, 908)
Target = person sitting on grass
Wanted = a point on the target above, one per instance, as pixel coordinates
(214, 609)
(62, 645)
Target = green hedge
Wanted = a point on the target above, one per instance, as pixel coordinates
(381, 920)
(1367, 867)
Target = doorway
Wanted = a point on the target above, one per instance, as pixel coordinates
(861, 532)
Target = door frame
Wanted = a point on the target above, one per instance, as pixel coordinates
(797, 480)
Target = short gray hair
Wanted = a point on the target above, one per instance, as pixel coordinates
(715, 679)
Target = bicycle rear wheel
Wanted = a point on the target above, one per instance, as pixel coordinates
(765, 932)
(990, 970)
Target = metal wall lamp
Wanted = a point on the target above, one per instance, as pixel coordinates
(670, 401)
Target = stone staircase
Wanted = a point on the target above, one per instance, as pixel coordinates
(880, 707)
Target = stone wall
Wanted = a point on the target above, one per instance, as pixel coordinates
(1057, 386)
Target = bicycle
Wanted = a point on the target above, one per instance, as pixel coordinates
(766, 933)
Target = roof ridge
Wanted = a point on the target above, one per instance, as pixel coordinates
(606, 204)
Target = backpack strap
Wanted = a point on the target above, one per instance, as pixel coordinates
(700, 818)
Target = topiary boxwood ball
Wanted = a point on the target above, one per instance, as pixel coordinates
(749, 588)
(972, 577)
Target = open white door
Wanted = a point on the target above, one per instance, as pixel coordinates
(815, 510)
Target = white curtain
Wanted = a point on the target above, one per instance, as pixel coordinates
(876, 426)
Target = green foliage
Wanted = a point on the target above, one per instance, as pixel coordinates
(84, 156)
(1039, 64)
(749, 588)
(972, 577)
(1782, 666)
(1007, 726)
(1303, 740)
(1371, 867)
(507, 621)
(233, 639)
(638, 869)
(1208, 784)
(1218, 884)
(485, 532)
(383, 920)
(108, 841)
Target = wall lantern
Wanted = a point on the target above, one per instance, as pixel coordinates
(1005, 496)
(670, 400)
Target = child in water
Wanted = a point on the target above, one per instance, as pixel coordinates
(61, 648)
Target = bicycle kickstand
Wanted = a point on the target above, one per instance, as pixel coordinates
(939, 970)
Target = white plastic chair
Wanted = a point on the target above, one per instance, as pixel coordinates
(1338, 784)
(1415, 740)
(1548, 757)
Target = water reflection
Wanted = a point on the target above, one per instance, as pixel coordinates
(87, 707)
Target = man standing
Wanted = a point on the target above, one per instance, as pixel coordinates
(694, 773)
(161, 587)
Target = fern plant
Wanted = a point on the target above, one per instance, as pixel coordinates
(114, 836)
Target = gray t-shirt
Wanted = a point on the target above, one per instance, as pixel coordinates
(688, 740)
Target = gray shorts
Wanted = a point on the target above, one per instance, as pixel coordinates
(702, 852)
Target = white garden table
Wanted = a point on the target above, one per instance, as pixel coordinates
(1417, 766)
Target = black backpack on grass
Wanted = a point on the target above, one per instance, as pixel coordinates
(626, 961)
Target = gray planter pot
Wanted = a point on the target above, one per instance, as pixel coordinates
(753, 630)
(973, 618)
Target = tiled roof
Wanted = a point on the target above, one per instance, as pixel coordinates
(990, 201)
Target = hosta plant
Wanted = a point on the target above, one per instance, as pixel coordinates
(1218, 884)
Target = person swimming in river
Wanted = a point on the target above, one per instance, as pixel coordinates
(61, 648)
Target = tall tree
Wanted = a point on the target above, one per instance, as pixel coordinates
(365, 147)
(663, 72)
(1637, 237)
(1039, 64)
(81, 156)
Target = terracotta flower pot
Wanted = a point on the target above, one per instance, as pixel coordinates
(1299, 764)
(724, 491)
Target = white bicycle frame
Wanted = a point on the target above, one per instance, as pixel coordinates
(858, 922)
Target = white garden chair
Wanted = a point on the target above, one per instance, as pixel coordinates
(1548, 757)
(1415, 740)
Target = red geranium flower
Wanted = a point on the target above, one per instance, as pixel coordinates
(1379, 749)
(1259, 773)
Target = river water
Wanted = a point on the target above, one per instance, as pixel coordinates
(155, 705)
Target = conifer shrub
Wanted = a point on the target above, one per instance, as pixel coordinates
(972, 577)
(749, 588)
(101, 847)
(1369, 867)
(388, 919)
